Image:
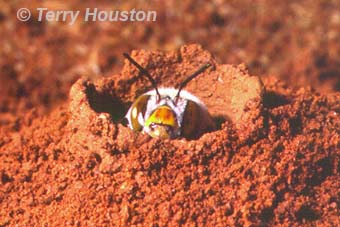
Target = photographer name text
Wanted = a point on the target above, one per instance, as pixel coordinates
(90, 15)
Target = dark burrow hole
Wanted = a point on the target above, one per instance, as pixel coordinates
(272, 100)
(219, 120)
(107, 102)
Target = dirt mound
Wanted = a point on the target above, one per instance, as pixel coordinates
(274, 158)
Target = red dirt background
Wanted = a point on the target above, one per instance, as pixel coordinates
(274, 160)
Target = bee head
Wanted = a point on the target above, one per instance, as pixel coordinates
(159, 115)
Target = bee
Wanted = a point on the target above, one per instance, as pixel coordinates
(169, 113)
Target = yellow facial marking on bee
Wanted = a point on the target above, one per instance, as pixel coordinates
(162, 115)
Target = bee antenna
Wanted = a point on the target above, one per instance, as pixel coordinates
(187, 80)
(143, 72)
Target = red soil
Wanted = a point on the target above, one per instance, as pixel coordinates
(274, 160)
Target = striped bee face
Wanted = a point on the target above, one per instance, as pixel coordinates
(168, 113)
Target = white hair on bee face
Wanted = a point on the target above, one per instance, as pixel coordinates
(172, 93)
